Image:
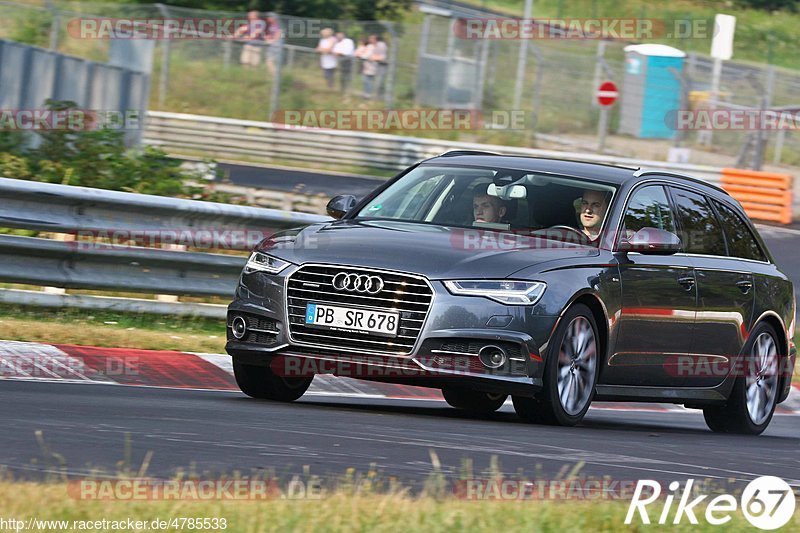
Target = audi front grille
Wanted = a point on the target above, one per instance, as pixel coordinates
(410, 296)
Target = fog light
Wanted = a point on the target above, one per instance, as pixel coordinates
(239, 327)
(492, 356)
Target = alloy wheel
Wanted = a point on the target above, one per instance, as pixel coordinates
(577, 365)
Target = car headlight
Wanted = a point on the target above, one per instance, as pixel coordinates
(503, 291)
(261, 262)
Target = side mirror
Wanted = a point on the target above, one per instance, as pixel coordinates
(340, 205)
(652, 241)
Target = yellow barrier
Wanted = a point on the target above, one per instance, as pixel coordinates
(764, 195)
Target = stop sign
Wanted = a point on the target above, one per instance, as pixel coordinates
(607, 93)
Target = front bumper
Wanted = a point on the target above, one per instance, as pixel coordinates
(445, 352)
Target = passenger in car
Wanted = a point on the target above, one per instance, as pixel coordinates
(487, 208)
(593, 207)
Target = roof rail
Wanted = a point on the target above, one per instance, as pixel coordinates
(452, 153)
(669, 173)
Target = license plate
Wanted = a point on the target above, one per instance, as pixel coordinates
(350, 319)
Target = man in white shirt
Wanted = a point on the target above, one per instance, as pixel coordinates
(327, 58)
(343, 50)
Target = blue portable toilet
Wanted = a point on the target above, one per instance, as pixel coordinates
(651, 88)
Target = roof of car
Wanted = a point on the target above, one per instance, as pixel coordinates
(610, 173)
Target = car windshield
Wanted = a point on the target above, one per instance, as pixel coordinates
(497, 199)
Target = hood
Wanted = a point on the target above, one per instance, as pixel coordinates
(437, 252)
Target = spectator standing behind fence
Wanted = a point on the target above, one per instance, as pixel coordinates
(327, 58)
(368, 67)
(379, 53)
(343, 50)
(254, 31)
(274, 39)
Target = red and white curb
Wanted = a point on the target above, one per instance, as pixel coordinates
(183, 370)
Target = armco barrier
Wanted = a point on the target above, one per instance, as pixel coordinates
(80, 264)
(230, 139)
(764, 195)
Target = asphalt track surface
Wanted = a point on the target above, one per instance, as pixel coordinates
(217, 432)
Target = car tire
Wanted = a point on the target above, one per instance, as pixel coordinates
(262, 383)
(570, 372)
(754, 395)
(474, 401)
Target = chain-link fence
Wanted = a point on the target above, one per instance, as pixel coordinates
(427, 64)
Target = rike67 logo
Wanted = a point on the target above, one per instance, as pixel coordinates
(767, 503)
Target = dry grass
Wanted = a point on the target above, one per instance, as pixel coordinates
(344, 511)
(110, 329)
(109, 336)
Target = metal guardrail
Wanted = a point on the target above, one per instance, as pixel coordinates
(63, 208)
(93, 263)
(267, 142)
(85, 265)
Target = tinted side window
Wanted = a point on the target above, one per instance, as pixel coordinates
(741, 242)
(700, 230)
(649, 208)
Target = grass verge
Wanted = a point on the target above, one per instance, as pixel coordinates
(344, 511)
(112, 329)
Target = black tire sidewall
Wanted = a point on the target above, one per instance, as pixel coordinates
(262, 383)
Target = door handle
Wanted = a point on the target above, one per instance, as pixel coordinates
(744, 285)
(687, 282)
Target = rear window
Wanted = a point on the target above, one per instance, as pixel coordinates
(741, 242)
(701, 232)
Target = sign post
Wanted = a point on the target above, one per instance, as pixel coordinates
(721, 50)
(606, 95)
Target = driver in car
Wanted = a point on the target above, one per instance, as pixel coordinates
(593, 206)
(486, 208)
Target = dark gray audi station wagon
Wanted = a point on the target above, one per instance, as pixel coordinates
(554, 282)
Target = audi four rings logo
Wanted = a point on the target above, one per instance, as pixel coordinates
(357, 283)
